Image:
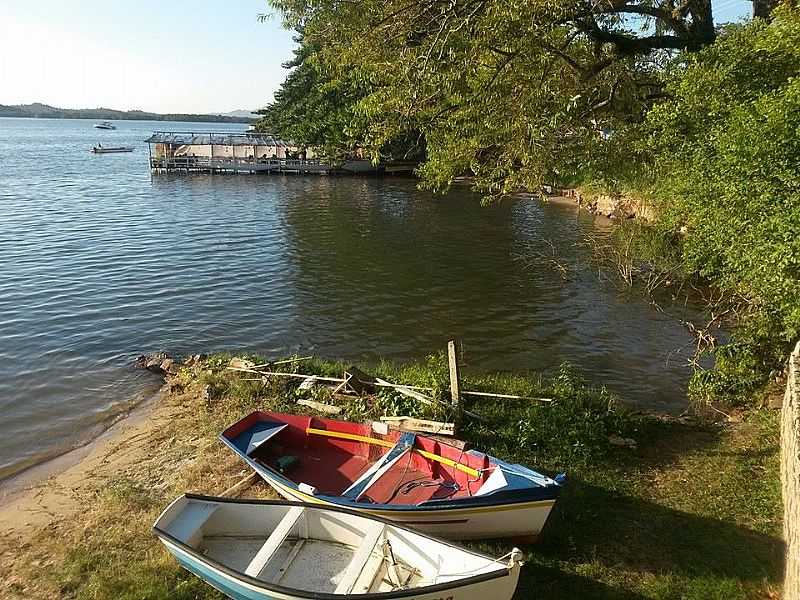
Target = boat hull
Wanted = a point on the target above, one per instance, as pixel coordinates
(257, 549)
(523, 520)
(348, 465)
(239, 589)
(110, 150)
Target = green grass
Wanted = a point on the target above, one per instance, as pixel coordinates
(692, 512)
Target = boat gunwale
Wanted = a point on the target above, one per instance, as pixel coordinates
(503, 571)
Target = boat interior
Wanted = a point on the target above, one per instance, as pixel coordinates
(352, 460)
(317, 550)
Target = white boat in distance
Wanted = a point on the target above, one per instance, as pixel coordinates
(105, 125)
(111, 149)
(269, 549)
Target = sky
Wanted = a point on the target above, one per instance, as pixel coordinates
(189, 56)
(186, 56)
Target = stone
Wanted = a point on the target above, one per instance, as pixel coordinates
(168, 367)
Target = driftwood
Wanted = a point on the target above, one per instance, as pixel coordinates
(401, 387)
(412, 424)
(328, 409)
(238, 488)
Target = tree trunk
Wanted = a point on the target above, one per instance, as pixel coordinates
(702, 27)
(764, 8)
(790, 477)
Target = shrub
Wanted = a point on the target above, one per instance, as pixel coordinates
(725, 161)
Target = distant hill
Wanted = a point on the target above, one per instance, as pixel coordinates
(39, 110)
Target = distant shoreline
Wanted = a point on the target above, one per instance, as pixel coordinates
(44, 111)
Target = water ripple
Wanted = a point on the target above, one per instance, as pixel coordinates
(99, 262)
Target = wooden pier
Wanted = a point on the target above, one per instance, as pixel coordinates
(250, 152)
(198, 164)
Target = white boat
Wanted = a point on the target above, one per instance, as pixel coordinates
(111, 149)
(259, 549)
(105, 125)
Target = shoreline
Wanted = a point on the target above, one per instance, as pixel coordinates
(44, 492)
(11, 485)
(85, 531)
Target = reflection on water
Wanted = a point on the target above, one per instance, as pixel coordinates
(100, 262)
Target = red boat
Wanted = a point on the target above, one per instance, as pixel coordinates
(409, 478)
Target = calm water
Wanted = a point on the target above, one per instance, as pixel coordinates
(100, 262)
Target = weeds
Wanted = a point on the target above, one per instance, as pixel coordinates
(692, 512)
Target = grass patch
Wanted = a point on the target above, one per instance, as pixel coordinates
(692, 512)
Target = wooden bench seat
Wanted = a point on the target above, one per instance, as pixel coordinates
(357, 570)
(274, 541)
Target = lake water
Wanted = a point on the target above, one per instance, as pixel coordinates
(101, 262)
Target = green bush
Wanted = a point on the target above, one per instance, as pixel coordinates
(725, 161)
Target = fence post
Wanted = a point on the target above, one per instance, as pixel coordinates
(790, 476)
(455, 383)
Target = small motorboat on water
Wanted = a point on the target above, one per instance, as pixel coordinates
(267, 549)
(408, 478)
(105, 125)
(99, 149)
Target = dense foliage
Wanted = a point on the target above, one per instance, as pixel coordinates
(724, 160)
(314, 106)
(516, 93)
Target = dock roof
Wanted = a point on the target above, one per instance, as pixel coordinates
(189, 138)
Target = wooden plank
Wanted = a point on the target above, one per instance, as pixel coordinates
(455, 384)
(406, 423)
(406, 391)
(274, 541)
(287, 563)
(282, 362)
(238, 488)
(328, 409)
(360, 558)
(508, 396)
(411, 392)
(279, 374)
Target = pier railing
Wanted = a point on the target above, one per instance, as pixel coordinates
(205, 163)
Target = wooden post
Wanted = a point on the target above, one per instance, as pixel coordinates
(790, 476)
(455, 383)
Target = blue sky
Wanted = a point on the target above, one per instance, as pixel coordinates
(156, 55)
(164, 56)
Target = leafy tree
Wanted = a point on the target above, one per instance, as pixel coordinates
(518, 92)
(315, 106)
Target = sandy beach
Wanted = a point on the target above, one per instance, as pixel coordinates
(53, 491)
